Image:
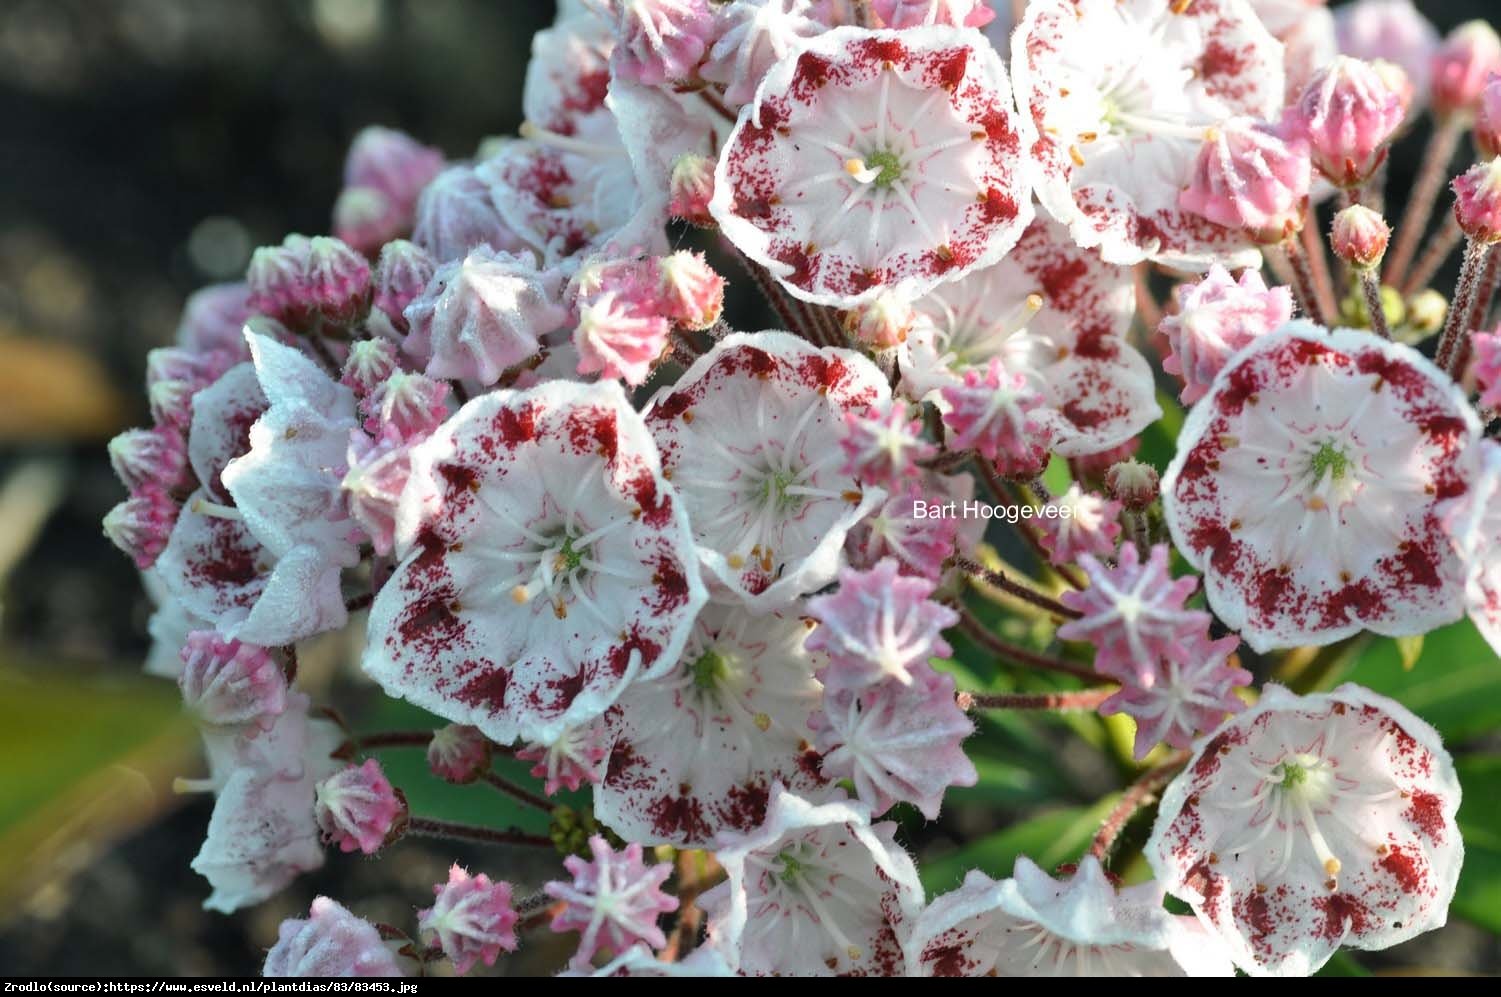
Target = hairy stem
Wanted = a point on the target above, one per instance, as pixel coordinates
(428, 827)
(1005, 583)
(1316, 251)
(1425, 189)
(1455, 331)
(1138, 795)
(1370, 286)
(1015, 653)
(1303, 283)
(518, 793)
(1082, 699)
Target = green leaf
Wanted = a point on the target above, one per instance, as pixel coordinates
(1050, 839)
(1479, 896)
(1455, 684)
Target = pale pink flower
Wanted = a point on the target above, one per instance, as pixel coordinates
(358, 808)
(1077, 523)
(660, 40)
(410, 406)
(997, 412)
(623, 327)
(691, 188)
(750, 437)
(576, 758)
(1133, 613)
(472, 919)
(1134, 484)
(1285, 491)
(921, 544)
(1311, 822)
(214, 318)
(876, 160)
(1249, 177)
(546, 563)
(878, 625)
(897, 742)
(1393, 31)
(370, 361)
(372, 486)
(401, 273)
(613, 902)
(1117, 98)
(142, 525)
(456, 215)
(697, 751)
(753, 35)
(329, 942)
(1488, 118)
(1192, 690)
(1348, 115)
(901, 14)
(817, 890)
(1216, 318)
(883, 445)
(1486, 347)
(1081, 924)
(481, 315)
(1463, 62)
(1477, 201)
(229, 684)
(882, 323)
(692, 293)
(304, 281)
(384, 173)
(458, 753)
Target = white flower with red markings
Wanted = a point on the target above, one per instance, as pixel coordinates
(876, 160)
(1116, 97)
(697, 751)
(1311, 822)
(750, 438)
(815, 891)
(1474, 525)
(1306, 483)
(1078, 925)
(1056, 314)
(546, 563)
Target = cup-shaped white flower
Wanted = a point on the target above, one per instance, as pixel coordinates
(698, 750)
(815, 891)
(876, 160)
(1054, 313)
(1116, 96)
(1306, 486)
(546, 563)
(1311, 822)
(750, 436)
(1474, 525)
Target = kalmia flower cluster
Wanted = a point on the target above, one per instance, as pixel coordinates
(697, 571)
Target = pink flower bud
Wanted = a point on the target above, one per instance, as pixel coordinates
(1132, 483)
(1360, 236)
(901, 14)
(369, 363)
(175, 374)
(1348, 114)
(214, 320)
(1462, 65)
(458, 753)
(882, 322)
(1488, 119)
(660, 40)
(411, 404)
(141, 524)
(357, 808)
(378, 472)
(690, 188)
(1477, 203)
(143, 457)
(329, 942)
(1248, 178)
(613, 902)
(691, 292)
(383, 176)
(995, 411)
(455, 214)
(1398, 82)
(338, 280)
(229, 684)
(622, 328)
(472, 919)
(402, 272)
(1391, 30)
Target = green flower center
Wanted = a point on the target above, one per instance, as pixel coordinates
(774, 490)
(710, 669)
(1330, 460)
(567, 559)
(888, 163)
(1293, 775)
(791, 867)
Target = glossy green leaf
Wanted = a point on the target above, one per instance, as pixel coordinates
(1479, 895)
(1049, 839)
(1454, 685)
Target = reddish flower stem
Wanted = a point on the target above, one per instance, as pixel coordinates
(429, 827)
(1370, 286)
(1425, 190)
(395, 739)
(1455, 330)
(1443, 244)
(1000, 580)
(518, 793)
(1316, 251)
(1082, 699)
(1485, 292)
(1138, 795)
(359, 602)
(1303, 283)
(1017, 654)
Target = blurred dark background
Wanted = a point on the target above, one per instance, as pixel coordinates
(146, 147)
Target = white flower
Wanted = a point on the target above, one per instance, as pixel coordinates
(816, 891)
(876, 160)
(1035, 925)
(750, 437)
(698, 750)
(1305, 488)
(1474, 525)
(546, 563)
(1307, 823)
(1116, 95)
